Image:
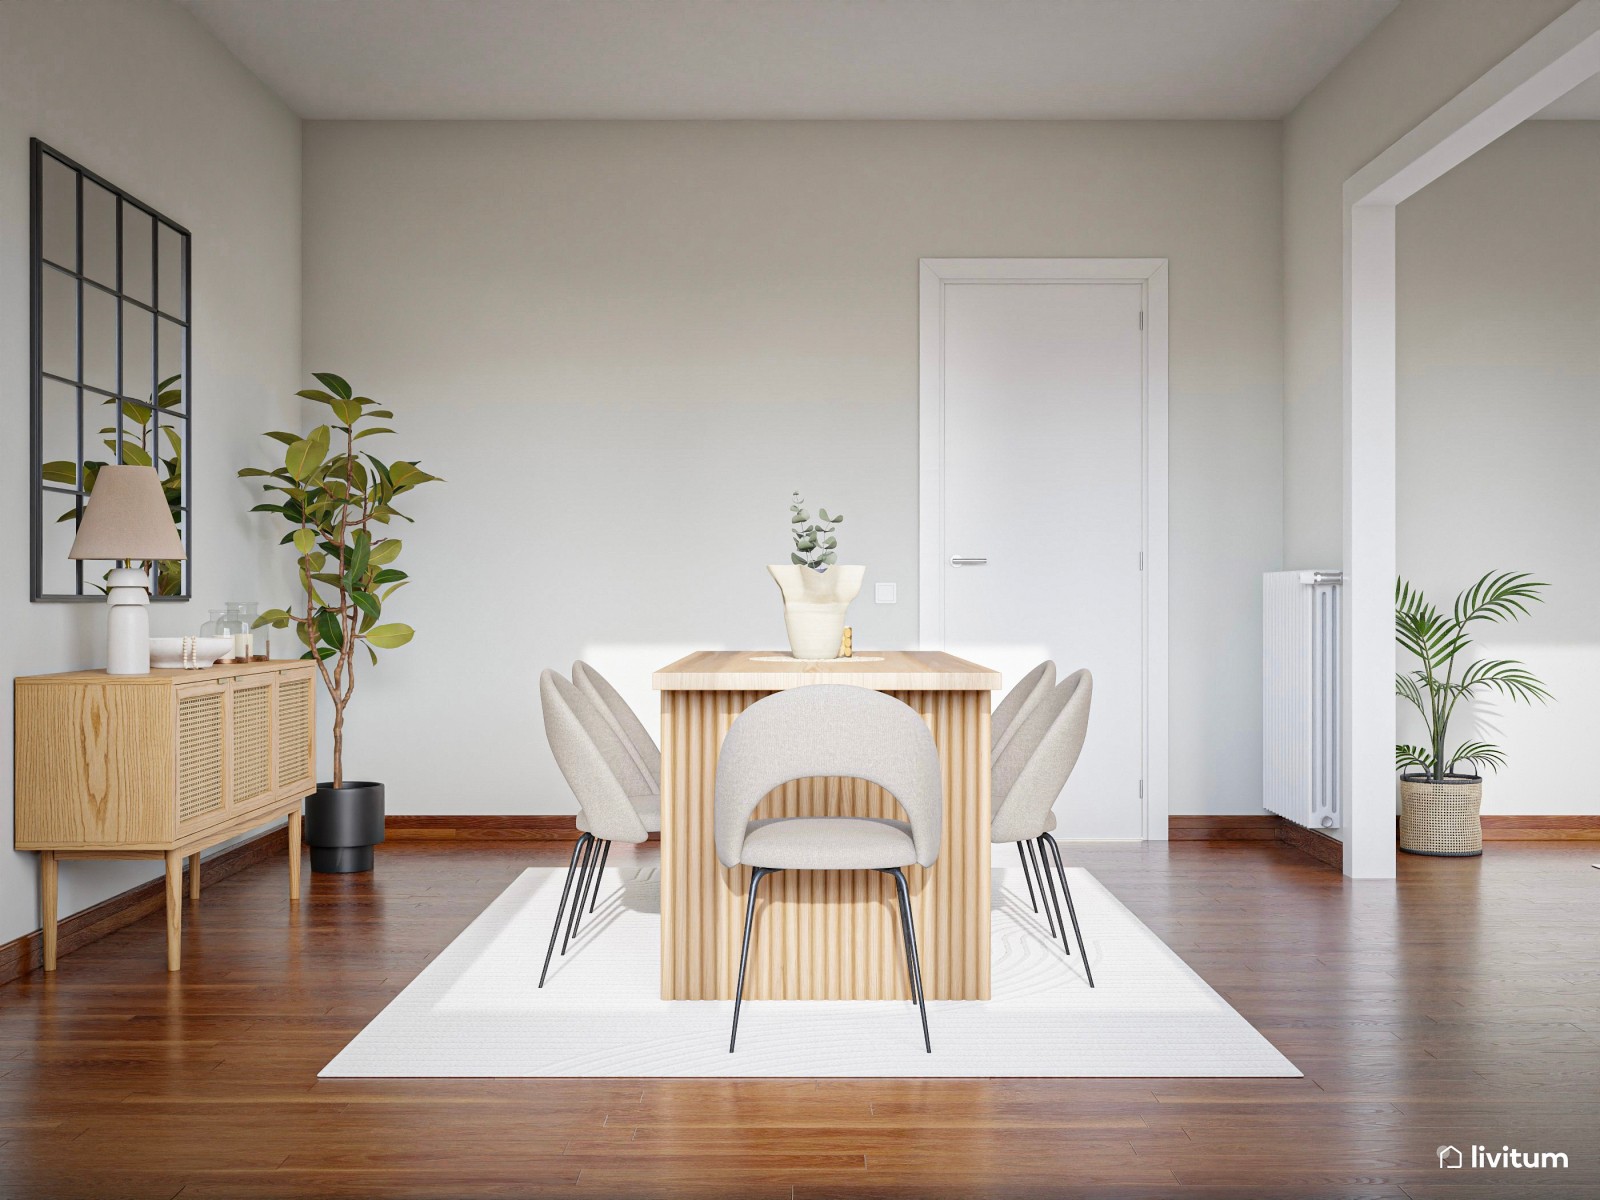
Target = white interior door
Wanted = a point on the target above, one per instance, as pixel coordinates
(1043, 490)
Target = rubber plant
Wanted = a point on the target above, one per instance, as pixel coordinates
(1438, 641)
(340, 500)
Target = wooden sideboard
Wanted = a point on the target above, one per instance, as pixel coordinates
(160, 766)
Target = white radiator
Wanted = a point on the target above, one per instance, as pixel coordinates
(1300, 696)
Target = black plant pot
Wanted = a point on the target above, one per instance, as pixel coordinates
(342, 826)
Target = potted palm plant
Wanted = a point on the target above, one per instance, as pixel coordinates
(1439, 805)
(339, 501)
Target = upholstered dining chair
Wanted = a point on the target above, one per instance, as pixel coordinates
(1014, 709)
(1005, 721)
(636, 739)
(1027, 778)
(617, 801)
(829, 730)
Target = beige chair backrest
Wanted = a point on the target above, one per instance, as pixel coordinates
(829, 730)
(623, 720)
(1038, 760)
(593, 761)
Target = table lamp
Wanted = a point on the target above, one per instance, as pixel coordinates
(127, 519)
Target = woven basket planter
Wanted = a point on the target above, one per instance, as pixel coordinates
(1441, 817)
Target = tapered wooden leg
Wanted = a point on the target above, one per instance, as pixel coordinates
(174, 909)
(194, 875)
(49, 870)
(295, 821)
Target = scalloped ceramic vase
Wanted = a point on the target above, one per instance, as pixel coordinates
(814, 606)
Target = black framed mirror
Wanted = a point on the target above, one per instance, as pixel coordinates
(111, 353)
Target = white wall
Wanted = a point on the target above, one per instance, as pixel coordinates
(1499, 430)
(1419, 57)
(137, 91)
(625, 343)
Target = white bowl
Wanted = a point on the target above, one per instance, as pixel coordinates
(203, 651)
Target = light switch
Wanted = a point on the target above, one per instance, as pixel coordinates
(886, 593)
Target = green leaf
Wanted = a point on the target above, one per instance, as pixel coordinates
(288, 439)
(333, 383)
(348, 411)
(316, 394)
(134, 456)
(408, 475)
(384, 552)
(1413, 756)
(278, 618)
(797, 560)
(329, 630)
(59, 472)
(305, 540)
(304, 457)
(372, 432)
(355, 563)
(367, 603)
(387, 637)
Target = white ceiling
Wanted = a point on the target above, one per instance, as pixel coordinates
(710, 59)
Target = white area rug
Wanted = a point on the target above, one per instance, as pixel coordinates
(476, 1010)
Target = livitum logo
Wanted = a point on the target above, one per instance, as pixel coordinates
(1450, 1158)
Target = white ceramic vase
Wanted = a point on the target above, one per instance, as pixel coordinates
(814, 606)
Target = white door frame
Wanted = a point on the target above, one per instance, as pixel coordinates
(1547, 66)
(1151, 275)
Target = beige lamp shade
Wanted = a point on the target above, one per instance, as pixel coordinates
(127, 518)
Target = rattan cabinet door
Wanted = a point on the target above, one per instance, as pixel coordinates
(296, 732)
(202, 755)
(250, 720)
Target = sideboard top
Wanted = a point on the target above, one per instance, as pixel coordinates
(162, 676)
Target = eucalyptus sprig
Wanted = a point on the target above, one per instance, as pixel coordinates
(1434, 688)
(334, 496)
(814, 543)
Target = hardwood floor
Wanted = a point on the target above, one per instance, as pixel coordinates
(1460, 1006)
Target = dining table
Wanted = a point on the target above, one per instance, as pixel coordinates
(822, 935)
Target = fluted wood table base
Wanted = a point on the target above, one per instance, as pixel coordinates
(822, 935)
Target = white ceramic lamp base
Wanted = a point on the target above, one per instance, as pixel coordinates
(128, 627)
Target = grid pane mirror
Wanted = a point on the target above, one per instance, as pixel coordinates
(110, 365)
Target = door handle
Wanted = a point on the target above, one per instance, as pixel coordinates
(959, 561)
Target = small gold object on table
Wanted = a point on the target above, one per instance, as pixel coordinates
(844, 646)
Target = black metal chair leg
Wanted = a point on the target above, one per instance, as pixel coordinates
(905, 937)
(592, 883)
(583, 884)
(565, 889)
(911, 952)
(1071, 912)
(594, 892)
(1050, 894)
(1042, 896)
(756, 876)
(1026, 874)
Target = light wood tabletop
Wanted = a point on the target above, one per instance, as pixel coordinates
(822, 934)
(776, 671)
